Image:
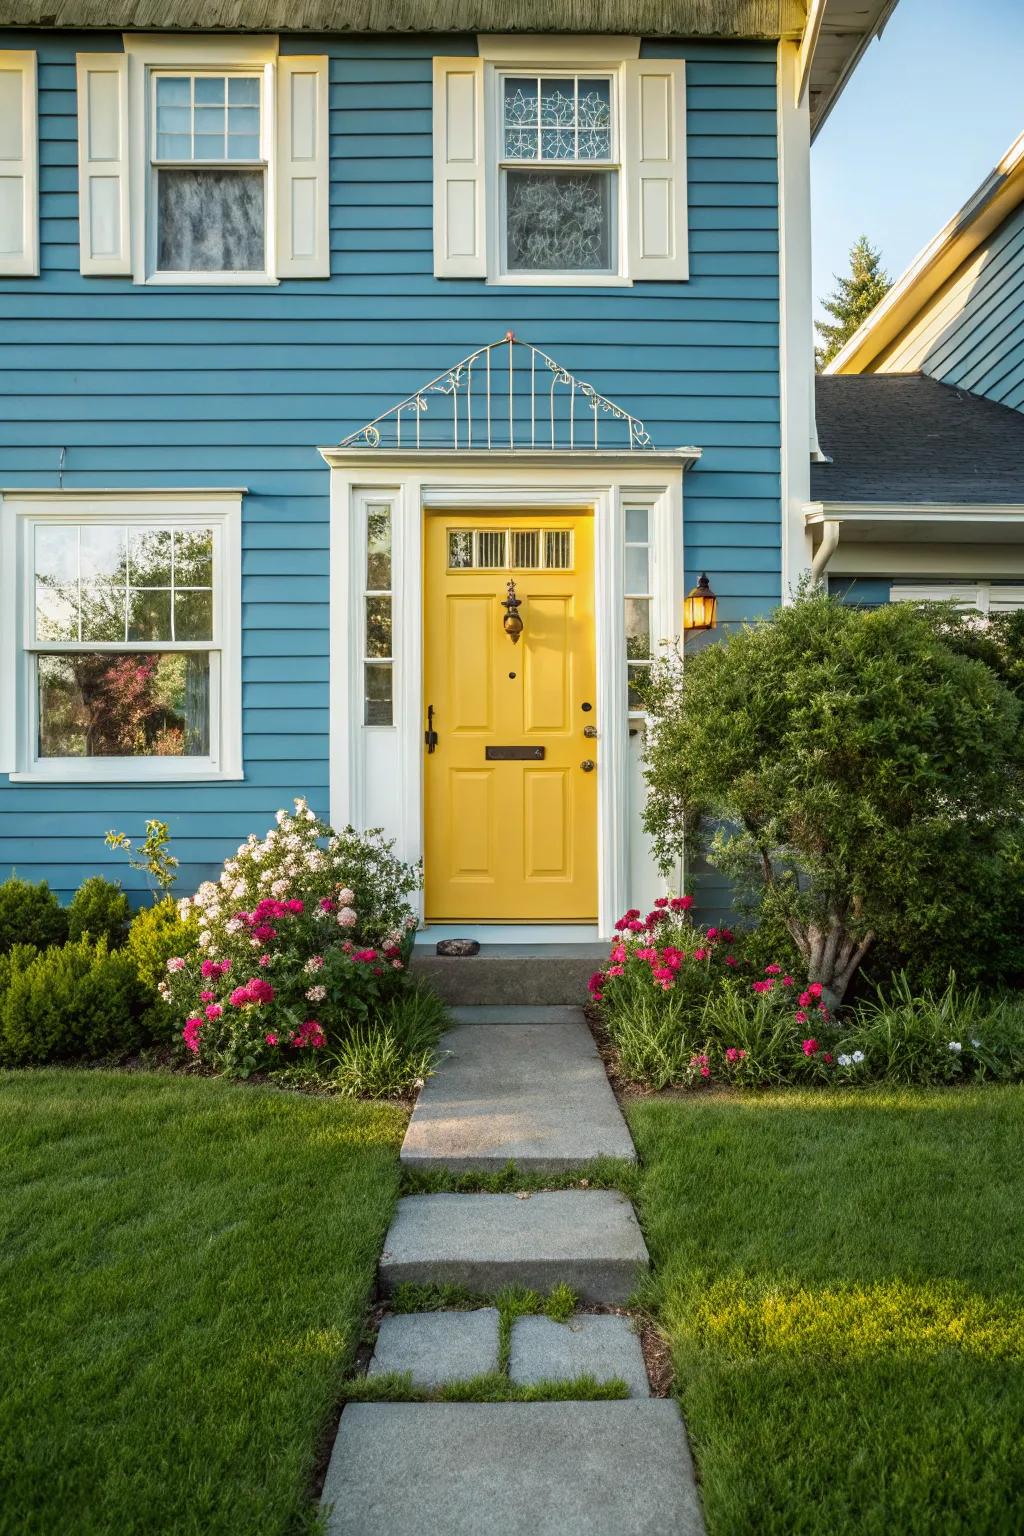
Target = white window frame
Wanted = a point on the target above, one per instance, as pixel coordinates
(21, 512)
(498, 167)
(983, 597)
(150, 56)
(595, 57)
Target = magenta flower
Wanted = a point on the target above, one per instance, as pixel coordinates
(213, 1011)
(762, 986)
(190, 1034)
(810, 1047)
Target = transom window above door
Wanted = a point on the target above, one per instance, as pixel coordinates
(515, 549)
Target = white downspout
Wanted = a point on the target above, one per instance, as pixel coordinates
(825, 550)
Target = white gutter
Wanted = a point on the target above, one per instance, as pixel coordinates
(825, 550)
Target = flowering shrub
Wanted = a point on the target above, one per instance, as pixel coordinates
(684, 1005)
(306, 934)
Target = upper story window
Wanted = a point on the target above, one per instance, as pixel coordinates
(211, 173)
(203, 160)
(565, 167)
(122, 638)
(559, 178)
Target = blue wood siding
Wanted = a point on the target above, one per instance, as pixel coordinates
(972, 333)
(162, 387)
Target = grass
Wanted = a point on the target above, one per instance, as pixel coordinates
(184, 1270)
(841, 1280)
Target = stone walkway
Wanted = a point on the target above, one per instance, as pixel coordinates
(522, 1084)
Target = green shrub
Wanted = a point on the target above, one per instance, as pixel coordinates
(99, 910)
(392, 1053)
(933, 1037)
(15, 960)
(30, 914)
(156, 934)
(77, 1001)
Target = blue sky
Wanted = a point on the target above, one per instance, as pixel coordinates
(929, 111)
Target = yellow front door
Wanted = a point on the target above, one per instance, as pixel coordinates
(511, 782)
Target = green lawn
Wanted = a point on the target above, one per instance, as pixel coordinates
(841, 1277)
(184, 1267)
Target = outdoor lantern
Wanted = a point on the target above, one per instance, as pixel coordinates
(512, 624)
(700, 607)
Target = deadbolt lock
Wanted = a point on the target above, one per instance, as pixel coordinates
(587, 765)
(590, 730)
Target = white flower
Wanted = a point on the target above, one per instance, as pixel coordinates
(844, 1061)
(205, 939)
(300, 804)
(410, 922)
(316, 994)
(858, 1056)
(233, 925)
(956, 1047)
(239, 891)
(280, 816)
(346, 898)
(310, 815)
(176, 963)
(347, 918)
(184, 907)
(266, 876)
(976, 1044)
(313, 964)
(314, 859)
(279, 888)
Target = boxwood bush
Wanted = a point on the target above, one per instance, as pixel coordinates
(80, 1000)
(30, 914)
(99, 910)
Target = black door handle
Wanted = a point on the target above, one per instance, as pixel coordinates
(430, 735)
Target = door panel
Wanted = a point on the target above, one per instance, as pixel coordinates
(511, 839)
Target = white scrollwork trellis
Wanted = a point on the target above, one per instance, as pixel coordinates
(522, 401)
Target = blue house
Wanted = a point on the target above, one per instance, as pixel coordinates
(376, 385)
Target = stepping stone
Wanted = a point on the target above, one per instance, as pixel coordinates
(515, 1013)
(527, 973)
(438, 1347)
(512, 1469)
(534, 1094)
(588, 1238)
(590, 1344)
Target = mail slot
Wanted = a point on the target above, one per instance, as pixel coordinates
(517, 754)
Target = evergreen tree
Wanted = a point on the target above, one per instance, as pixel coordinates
(853, 299)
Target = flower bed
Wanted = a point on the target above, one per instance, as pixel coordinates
(683, 1005)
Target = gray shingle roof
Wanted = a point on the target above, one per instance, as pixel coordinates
(904, 437)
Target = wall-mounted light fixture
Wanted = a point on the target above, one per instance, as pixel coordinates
(512, 624)
(700, 607)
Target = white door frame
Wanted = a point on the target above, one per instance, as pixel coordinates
(376, 772)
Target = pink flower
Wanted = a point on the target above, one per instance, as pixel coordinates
(733, 1054)
(662, 973)
(648, 954)
(787, 981)
(176, 963)
(726, 935)
(260, 991)
(594, 984)
(365, 955)
(263, 960)
(672, 957)
(681, 903)
(616, 970)
(827, 1058)
(804, 999)
(210, 968)
(762, 986)
(316, 994)
(207, 997)
(815, 989)
(712, 933)
(264, 933)
(190, 1035)
(619, 954)
(314, 963)
(347, 917)
(270, 1039)
(731, 960)
(396, 965)
(213, 1011)
(773, 970)
(239, 997)
(810, 1047)
(295, 905)
(701, 954)
(327, 905)
(309, 1034)
(636, 926)
(801, 1015)
(661, 901)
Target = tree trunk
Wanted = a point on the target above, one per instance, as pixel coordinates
(832, 956)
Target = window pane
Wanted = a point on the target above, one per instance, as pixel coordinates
(636, 525)
(526, 549)
(56, 611)
(56, 554)
(173, 146)
(149, 555)
(460, 549)
(193, 615)
(638, 675)
(209, 89)
(558, 221)
(595, 104)
(558, 549)
(149, 615)
(378, 694)
(210, 221)
(172, 91)
(103, 553)
(637, 569)
(491, 550)
(378, 626)
(378, 549)
(558, 103)
(193, 557)
(99, 705)
(638, 628)
(243, 90)
(103, 610)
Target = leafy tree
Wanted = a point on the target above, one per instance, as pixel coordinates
(866, 774)
(852, 300)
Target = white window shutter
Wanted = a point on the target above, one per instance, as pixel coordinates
(19, 166)
(303, 158)
(459, 168)
(654, 154)
(104, 228)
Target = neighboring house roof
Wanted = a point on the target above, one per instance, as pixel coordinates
(905, 438)
(834, 33)
(999, 195)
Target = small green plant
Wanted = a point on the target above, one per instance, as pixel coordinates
(99, 910)
(934, 1037)
(30, 914)
(153, 857)
(75, 1001)
(157, 934)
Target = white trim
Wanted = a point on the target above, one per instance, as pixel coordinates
(418, 483)
(913, 511)
(796, 329)
(20, 511)
(23, 166)
(509, 933)
(374, 459)
(985, 596)
(149, 51)
(527, 48)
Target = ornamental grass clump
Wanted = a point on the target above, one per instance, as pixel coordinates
(305, 936)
